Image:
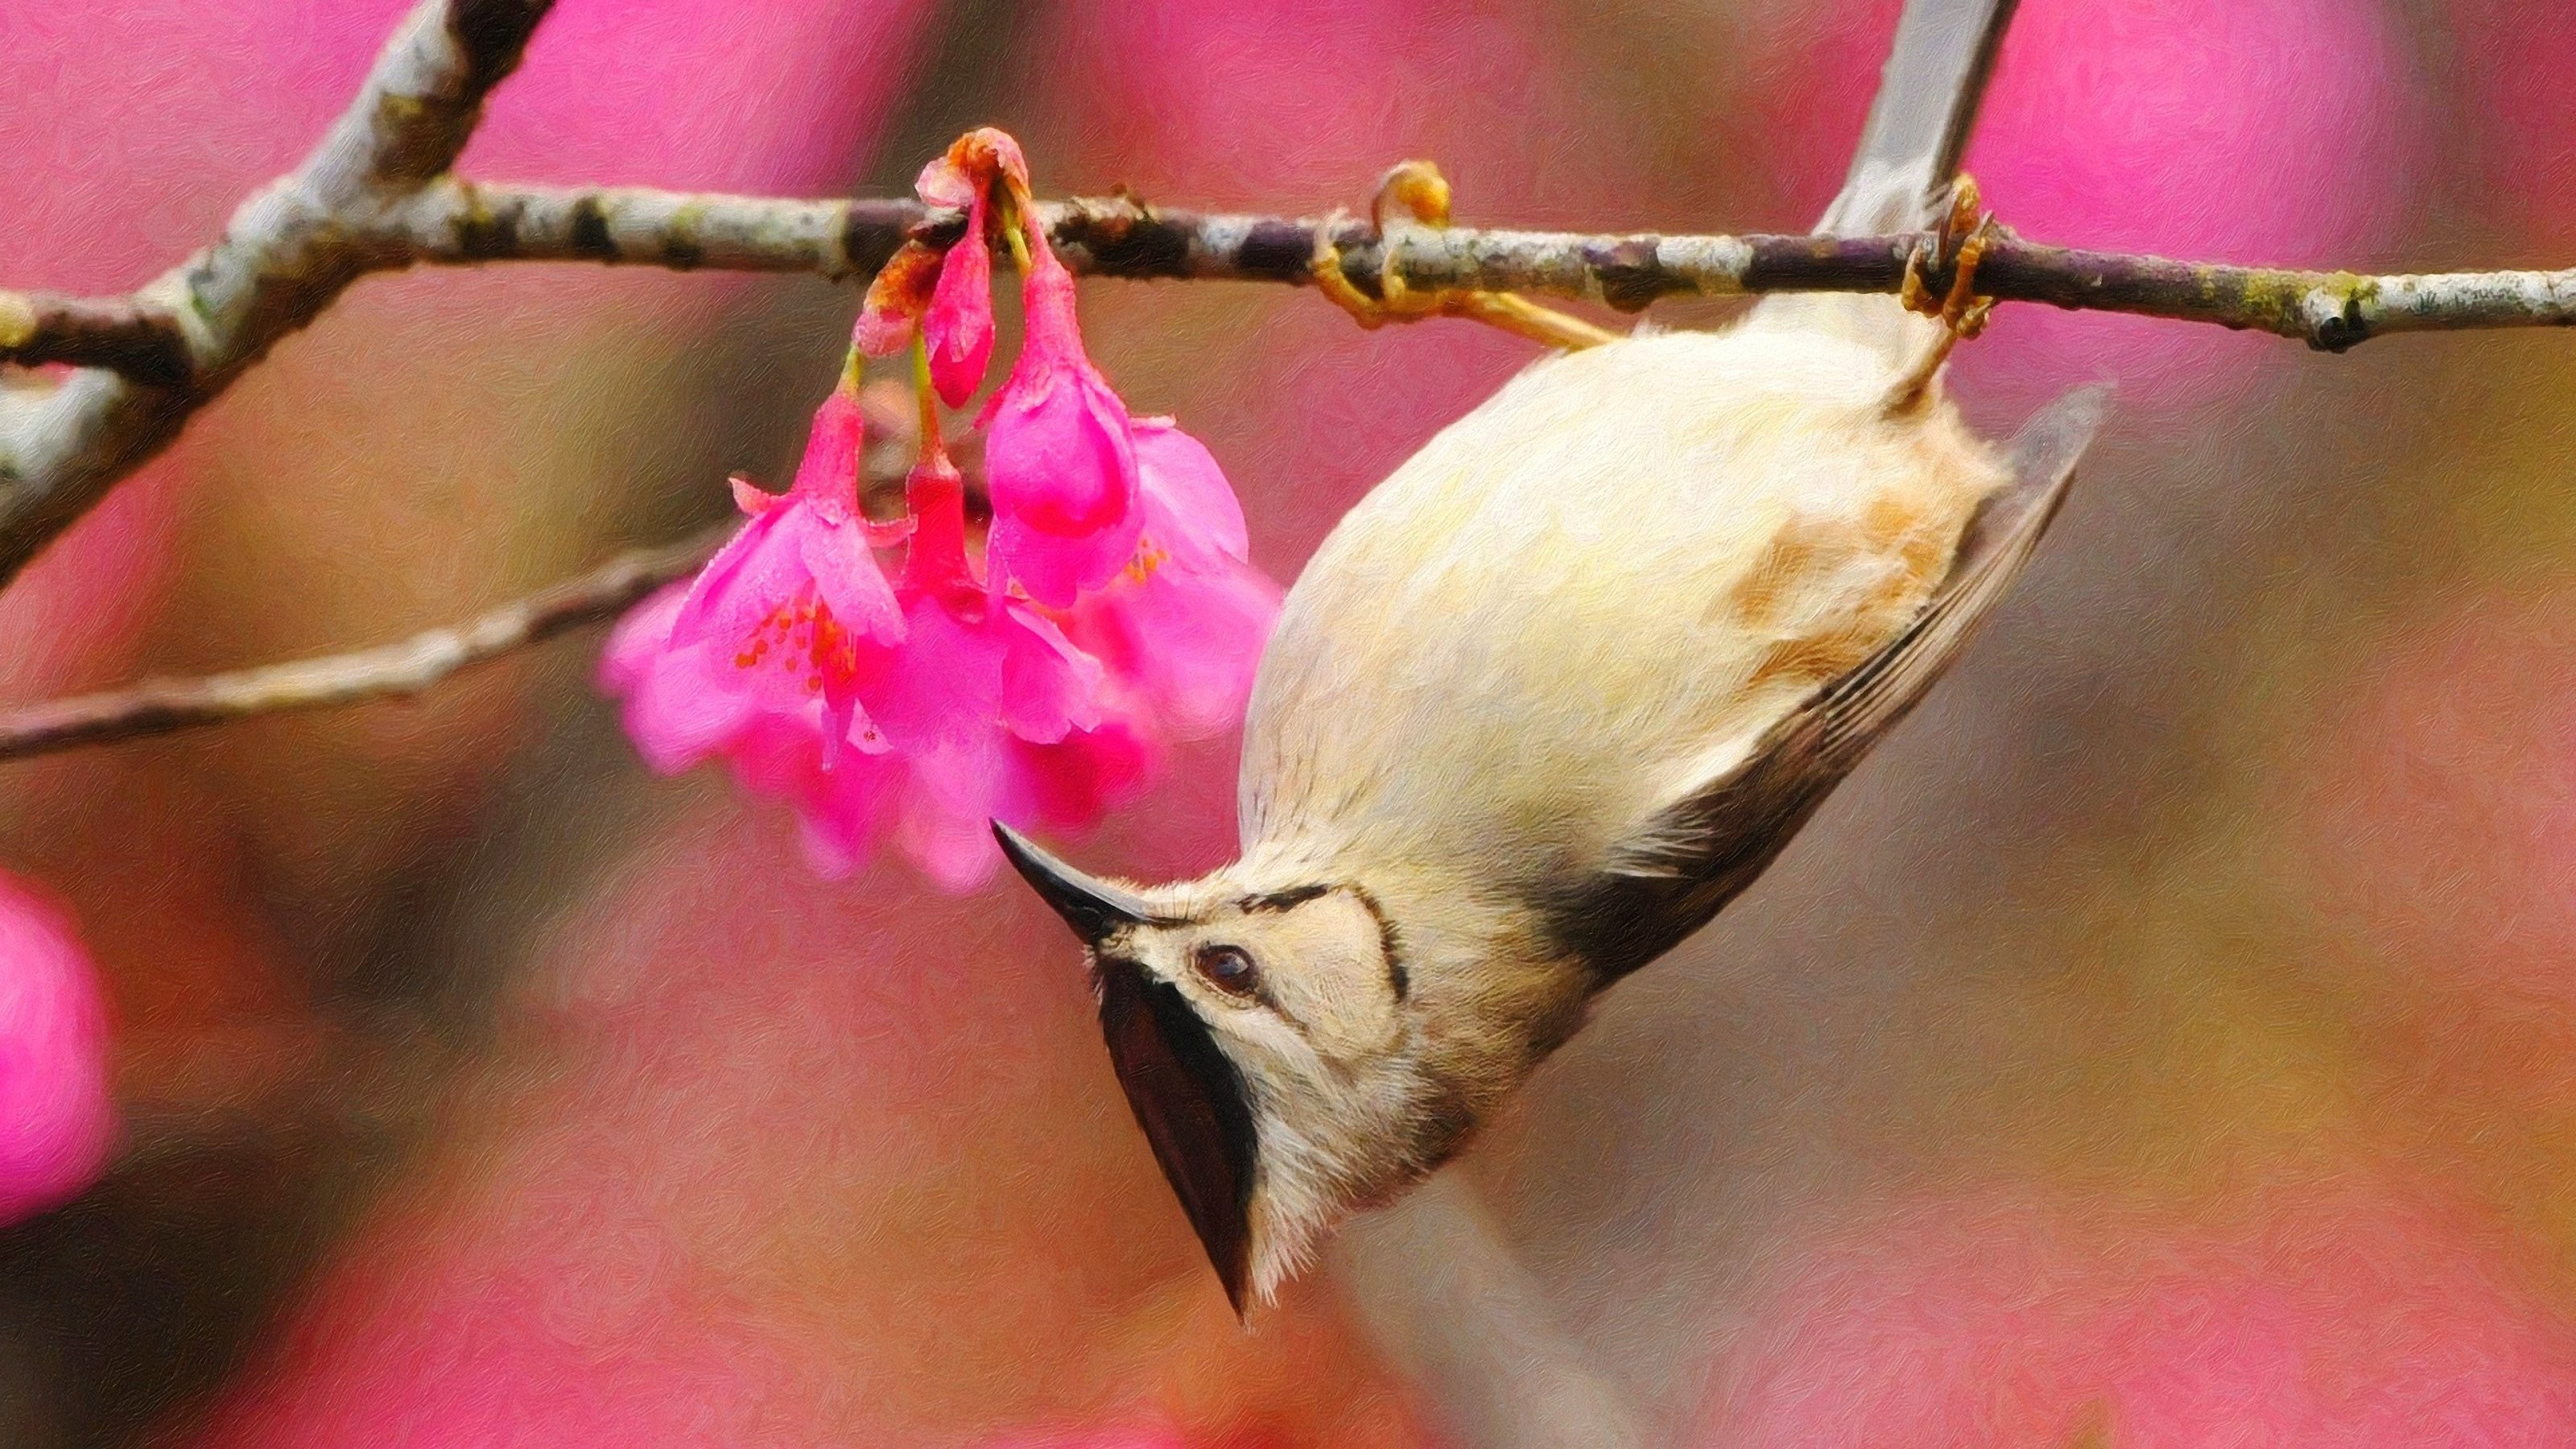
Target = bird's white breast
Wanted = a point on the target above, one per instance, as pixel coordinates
(1594, 590)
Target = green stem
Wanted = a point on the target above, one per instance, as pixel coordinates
(1016, 218)
(931, 444)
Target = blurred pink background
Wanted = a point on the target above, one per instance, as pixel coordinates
(2166, 1039)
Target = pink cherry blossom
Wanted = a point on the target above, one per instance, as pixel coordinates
(758, 658)
(796, 596)
(55, 1118)
(1059, 455)
(975, 658)
(985, 710)
(686, 705)
(948, 298)
(1057, 735)
(1031, 675)
(981, 680)
(1182, 627)
(958, 328)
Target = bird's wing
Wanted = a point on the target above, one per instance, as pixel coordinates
(1667, 877)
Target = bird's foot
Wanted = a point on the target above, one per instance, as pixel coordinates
(1956, 247)
(1423, 193)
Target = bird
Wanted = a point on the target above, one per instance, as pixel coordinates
(1552, 694)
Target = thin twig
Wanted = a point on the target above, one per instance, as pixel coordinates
(160, 706)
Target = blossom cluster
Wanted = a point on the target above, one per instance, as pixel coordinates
(918, 678)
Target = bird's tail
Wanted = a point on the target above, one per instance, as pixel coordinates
(1918, 126)
(1909, 151)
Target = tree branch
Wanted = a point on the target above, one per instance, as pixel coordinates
(160, 706)
(281, 260)
(460, 222)
(117, 333)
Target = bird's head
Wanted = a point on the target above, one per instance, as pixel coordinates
(1294, 1049)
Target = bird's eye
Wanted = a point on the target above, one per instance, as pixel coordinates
(1229, 969)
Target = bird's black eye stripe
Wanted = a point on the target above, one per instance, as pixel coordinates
(1229, 969)
(1390, 945)
(1284, 900)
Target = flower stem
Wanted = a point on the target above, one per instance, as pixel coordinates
(931, 444)
(1016, 219)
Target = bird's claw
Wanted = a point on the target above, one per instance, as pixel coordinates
(1422, 193)
(1955, 247)
(1325, 266)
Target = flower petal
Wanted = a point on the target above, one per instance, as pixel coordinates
(1060, 454)
(1061, 468)
(945, 183)
(1052, 568)
(1047, 684)
(640, 637)
(955, 793)
(757, 571)
(1191, 512)
(678, 709)
(828, 476)
(1081, 778)
(1184, 643)
(943, 686)
(841, 811)
(847, 577)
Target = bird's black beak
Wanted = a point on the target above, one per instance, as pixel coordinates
(1093, 907)
(1186, 1093)
(1190, 1100)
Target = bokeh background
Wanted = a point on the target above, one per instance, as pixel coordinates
(2169, 1038)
